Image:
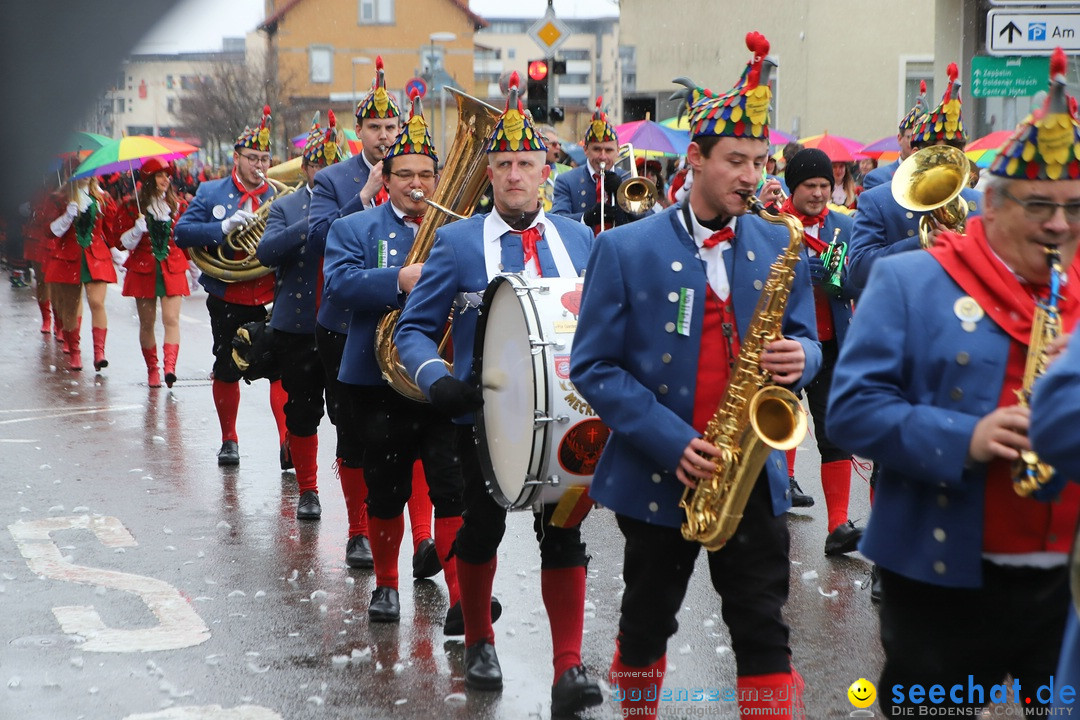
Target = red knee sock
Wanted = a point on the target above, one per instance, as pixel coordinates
(385, 545)
(637, 688)
(836, 482)
(278, 398)
(305, 451)
(354, 489)
(563, 590)
(420, 507)
(764, 695)
(475, 580)
(791, 461)
(446, 530)
(227, 402)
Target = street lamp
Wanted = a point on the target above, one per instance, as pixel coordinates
(442, 37)
(357, 61)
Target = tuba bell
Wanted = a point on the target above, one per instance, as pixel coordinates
(461, 184)
(930, 181)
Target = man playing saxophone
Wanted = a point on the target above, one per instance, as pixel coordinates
(219, 208)
(667, 302)
(927, 386)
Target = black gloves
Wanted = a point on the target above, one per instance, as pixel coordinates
(818, 273)
(455, 397)
(612, 181)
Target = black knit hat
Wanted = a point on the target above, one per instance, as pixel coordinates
(807, 164)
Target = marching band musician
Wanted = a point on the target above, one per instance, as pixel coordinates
(364, 276)
(882, 226)
(348, 187)
(219, 208)
(518, 236)
(285, 246)
(653, 354)
(810, 177)
(156, 267)
(80, 258)
(926, 386)
(578, 191)
(883, 175)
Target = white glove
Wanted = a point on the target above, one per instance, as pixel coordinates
(140, 226)
(119, 257)
(72, 210)
(237, 219)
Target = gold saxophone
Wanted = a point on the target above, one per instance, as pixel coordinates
(1028, 473)
(754, 416)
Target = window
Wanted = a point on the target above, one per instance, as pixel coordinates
(376, 12)
(321, 63)
(171, 105)
(916, 69)
(119, 105)
(511, 53)
(168, 82)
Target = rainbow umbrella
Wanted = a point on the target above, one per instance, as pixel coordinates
(355, 145)
(646, 135)
(131, 152)
(880, 148)
(983, 150)
(83, 143)
(683, 123)
(839, 149)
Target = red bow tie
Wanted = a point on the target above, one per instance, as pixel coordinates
(718, 237)
(414, 219)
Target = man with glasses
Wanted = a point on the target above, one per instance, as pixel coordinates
(219, 208)
(974, 571)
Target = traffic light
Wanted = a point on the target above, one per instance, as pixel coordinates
(536, 89)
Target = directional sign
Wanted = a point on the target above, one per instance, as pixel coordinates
(416, 84)
(549, 32)
(1016, 32)
(1008, 76)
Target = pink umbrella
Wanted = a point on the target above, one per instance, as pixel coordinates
(839, 149)
(880, 147)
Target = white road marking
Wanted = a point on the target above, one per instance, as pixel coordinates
(17, 440)
(69, 413)
(180, 626)
(210, 712)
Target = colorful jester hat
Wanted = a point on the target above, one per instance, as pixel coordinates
(377, 104)
(415, 137)
(943, 123)
(917, 112)
(1046, 145)
(744, 111)
(257, 139)
(515, 131)
(600, 130)
(322, 148)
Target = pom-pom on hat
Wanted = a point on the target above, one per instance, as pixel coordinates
(945, 122)
(155, 165)
(600, 129)
(322, 147)
(515, 131)
(415, 136)
(259, 138)
(744, 111)
(377, 104)
(1046, 145)
(917, 112)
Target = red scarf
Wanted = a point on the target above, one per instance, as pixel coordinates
(722, 235)
(529, 238)
(817, 244)
(255, 196)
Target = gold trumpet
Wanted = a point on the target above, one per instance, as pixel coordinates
(635, 194)
(930, 181)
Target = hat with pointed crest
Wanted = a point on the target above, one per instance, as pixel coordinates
(378, 104)
(258, 138)
(515, 131)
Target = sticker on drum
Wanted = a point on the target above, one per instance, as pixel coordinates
(581, 446)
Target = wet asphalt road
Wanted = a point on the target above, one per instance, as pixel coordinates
(139, 580)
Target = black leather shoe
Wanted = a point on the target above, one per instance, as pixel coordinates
(358, 553)
(229, 454)
(798, 497)
(455, 619)
(875, 584)
(425, 563)
(574, 692)
(308, 508)
(384, 606)
(285, 457)
(844, 539)
(482, 671)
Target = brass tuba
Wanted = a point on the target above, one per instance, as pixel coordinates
(754, 416)
(461, 183)
(219, 262)
(930, 181)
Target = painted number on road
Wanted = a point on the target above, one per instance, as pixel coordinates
(179, 625)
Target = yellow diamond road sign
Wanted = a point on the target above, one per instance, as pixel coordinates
(549, 32)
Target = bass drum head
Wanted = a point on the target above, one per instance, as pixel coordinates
(505, 428)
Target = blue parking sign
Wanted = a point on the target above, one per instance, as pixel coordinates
(1036, 31)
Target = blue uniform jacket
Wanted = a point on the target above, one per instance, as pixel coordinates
(575, 192)
(456, 265)
(839, 306)
(883, 228)
(907, 391)
(336, 194)
(879, 176)
(639, 373)
(200, 225)
(284, 246)
(357, 282)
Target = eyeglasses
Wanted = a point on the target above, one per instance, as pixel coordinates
(408, 175)
(256, 159)
(1043, 210)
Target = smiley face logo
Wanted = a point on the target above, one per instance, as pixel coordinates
(862, 693)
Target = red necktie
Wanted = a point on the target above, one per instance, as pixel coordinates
(718, 237)
(529, 238)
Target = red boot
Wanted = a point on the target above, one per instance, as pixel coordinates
(99, 348)
(170, 351)
(71, 338)
(46, 317)
(772, 695)
(637, 688)
(153, 377)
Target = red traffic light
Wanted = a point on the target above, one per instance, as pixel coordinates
(538, 70)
